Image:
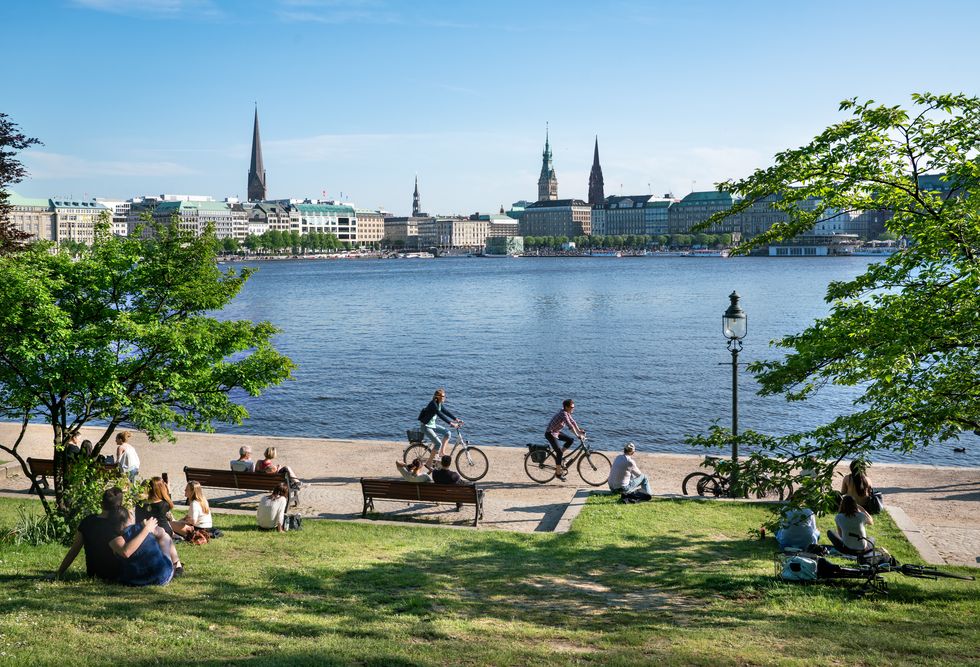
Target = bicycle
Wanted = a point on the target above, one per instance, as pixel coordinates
(593, 467)
(471, 463)
(716, 485)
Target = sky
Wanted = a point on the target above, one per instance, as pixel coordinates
(358, 97)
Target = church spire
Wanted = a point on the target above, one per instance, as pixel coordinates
(596, 193)
(256, 170)
(548, 181)
(416, 207)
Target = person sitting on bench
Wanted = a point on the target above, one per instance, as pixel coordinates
(244, 462)
(414, 471)
(268, 465)
(851, 519)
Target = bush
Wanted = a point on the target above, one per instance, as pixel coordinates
(86, 481)
(37, 529)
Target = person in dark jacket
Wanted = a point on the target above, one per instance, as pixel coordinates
(438, 434)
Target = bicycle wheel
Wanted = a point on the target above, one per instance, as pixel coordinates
(920, 572)
(711, 486)
(593, 468)
(689, 485)
(769, 490)
(416, 452)
(472, 463)
(542, 472)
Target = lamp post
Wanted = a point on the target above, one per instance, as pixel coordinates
(734, 324)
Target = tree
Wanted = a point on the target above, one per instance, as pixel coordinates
(121, 335)
(11, 171)
(906, 330)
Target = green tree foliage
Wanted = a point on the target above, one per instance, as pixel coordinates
(11, 171)
(121, 335)
(906, 330)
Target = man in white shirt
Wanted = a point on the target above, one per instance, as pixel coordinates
(625, 475)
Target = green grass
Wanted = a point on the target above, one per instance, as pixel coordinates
(671, 582)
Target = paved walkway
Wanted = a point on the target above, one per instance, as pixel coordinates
(938, 505)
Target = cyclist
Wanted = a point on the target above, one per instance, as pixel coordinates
(438, 434)
(555, 429)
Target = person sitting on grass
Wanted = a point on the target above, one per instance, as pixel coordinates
(851, 519)
(143, 550)
(857, 485)
(158, 505)
(94, 534)
(798, 529)
(268, 465)
(198, 515)
(625, 476)
(244, 462)
(414, 471)
(271, 513)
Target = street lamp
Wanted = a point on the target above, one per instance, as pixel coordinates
(734, 324)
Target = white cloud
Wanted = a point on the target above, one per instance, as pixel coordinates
(43, 165)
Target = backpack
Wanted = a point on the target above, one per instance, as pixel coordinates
(799, 568)
(875, 502)
(293, 522)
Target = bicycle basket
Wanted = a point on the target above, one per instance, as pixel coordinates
(414, 434)
(539, 452)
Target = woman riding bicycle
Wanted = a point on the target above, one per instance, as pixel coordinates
(438, 434)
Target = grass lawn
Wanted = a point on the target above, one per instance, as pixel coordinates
(671, 582)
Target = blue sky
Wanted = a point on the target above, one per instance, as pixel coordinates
(356, 97)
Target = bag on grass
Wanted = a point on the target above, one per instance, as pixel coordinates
(875, 502)
(799, 568)
(200, 536)
(293, 522)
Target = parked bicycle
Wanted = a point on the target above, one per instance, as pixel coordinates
(716, 485)
(471, 463)
(593, 467)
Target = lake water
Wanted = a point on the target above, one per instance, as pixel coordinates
(636, 342)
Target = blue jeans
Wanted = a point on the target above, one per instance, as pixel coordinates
(641, 483)
(436, 434)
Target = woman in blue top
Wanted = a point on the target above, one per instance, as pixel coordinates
(146, 553)
(438, 434)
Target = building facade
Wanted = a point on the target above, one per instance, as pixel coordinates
(75, 220)
(338, 220)
(228, 220)
(697, 207)
(454, 234)
(561, 217)
(370, 226)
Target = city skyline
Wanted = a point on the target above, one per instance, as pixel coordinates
(356, 97)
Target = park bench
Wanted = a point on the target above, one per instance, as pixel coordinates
(41, 469)
(241, 481)
(392, 489)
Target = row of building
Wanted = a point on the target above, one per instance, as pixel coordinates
(74, 220)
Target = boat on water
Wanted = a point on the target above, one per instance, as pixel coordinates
(708, 253)
(665, 253)
(415, 255)
(605, 253)
(881, 251)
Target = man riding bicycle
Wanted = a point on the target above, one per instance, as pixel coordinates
(439, 435)
(554, 433)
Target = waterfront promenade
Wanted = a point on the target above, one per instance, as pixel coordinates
(939, 505)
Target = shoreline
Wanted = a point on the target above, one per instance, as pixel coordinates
(941, 502)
